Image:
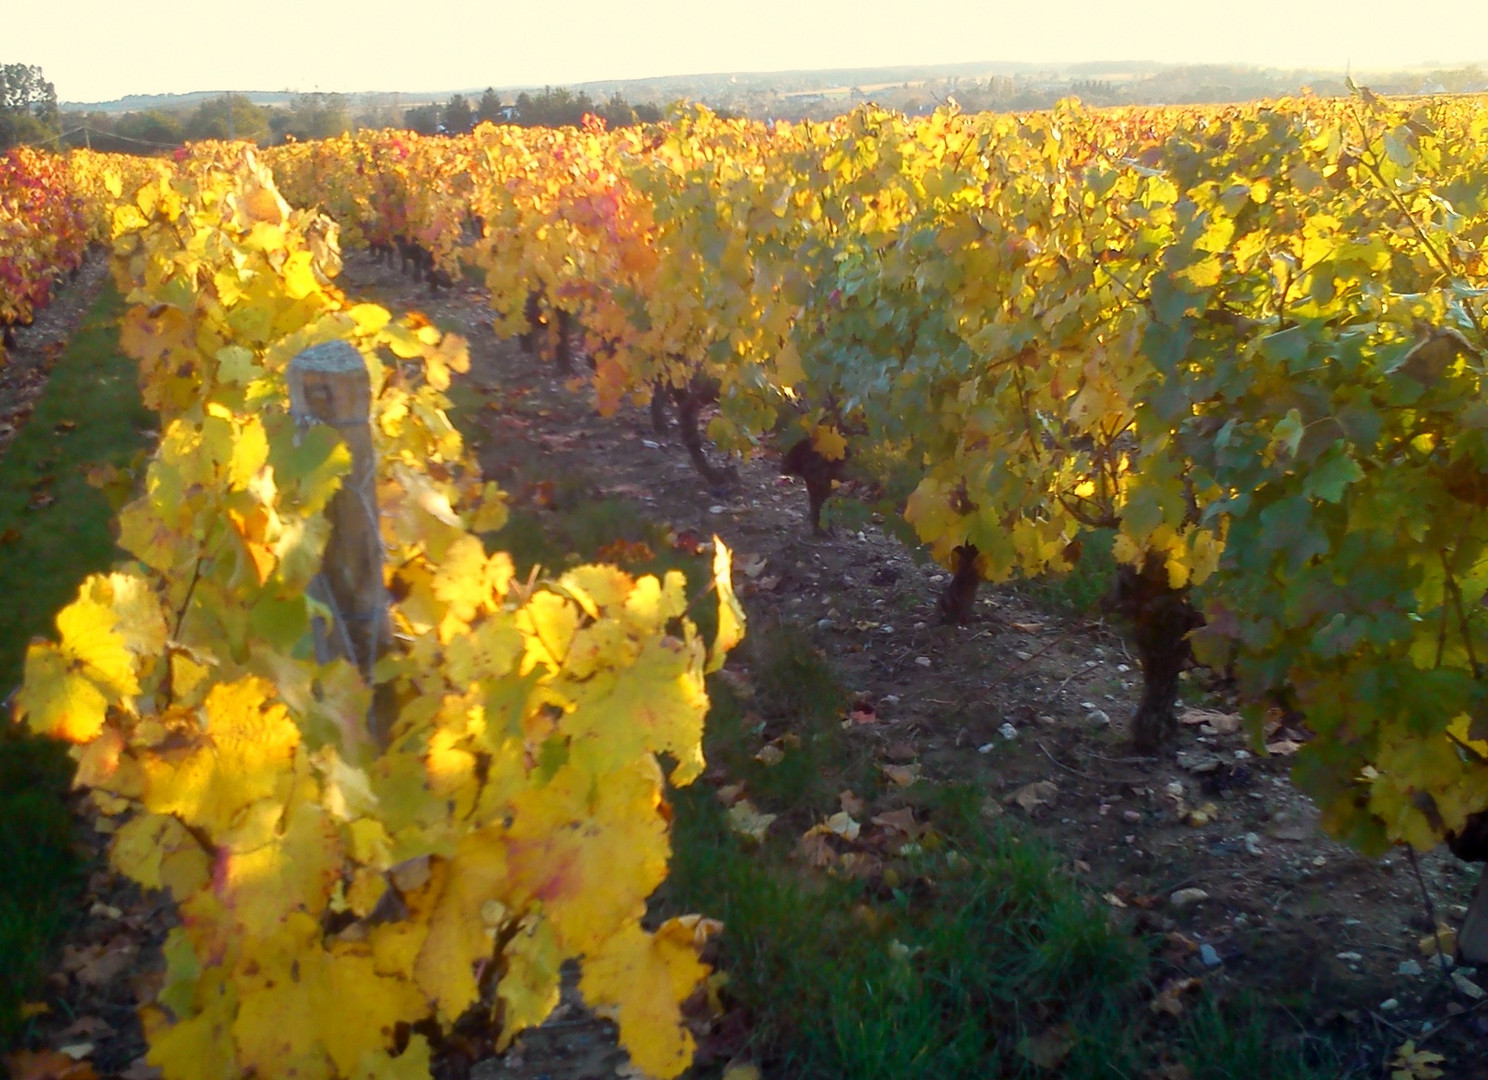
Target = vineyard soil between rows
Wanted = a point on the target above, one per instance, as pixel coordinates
(1214, 848)
(1287, 910)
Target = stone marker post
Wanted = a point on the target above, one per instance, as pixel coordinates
(329, 384)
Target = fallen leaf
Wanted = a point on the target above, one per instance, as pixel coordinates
(1283, 747)
(1202, 816)
(1027, 627)
(840, 824)
(901, 775)
(1222, 723)
(815, 850)
(863, 713)
(1445, 940)
(730, 793)
(751, 566)
(901, 820)
(746, 820)
(1038, 793)
(1170, 1000)
(770, 754)
(851, 803)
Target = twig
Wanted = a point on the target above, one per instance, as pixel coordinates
(1087, 776)
(1438, 1028)
(1430, 914)
(1402, 1032)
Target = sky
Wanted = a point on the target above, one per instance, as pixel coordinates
(97, 50)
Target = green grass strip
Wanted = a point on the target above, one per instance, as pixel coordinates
(54, 530)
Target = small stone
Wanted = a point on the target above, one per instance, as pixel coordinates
(885, 629)
(1209, 956)
(1087, 705)
(717, 509)
(1023, 654)
(1468, 987)
(922, 661)
(1242, 755)
(651, 444)
(1319, 860)
(986, 748)
(1445, 961)
(1047, 720)
(1350, 957)
(1186, 897)
(890, 699)
(1098, 718)
(825, 624)
(1408, 967)
(1007, 731)
(1389, 1005)
(1123, 668)
(1252, 843)
(920, 625)
(1175, 789)
(1131, 815)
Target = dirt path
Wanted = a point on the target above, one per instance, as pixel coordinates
(23, 370)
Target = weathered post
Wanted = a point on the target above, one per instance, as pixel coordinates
(329, 384)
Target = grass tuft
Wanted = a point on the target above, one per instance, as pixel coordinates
(54, 530)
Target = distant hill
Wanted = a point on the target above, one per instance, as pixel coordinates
(660, 88)
(991, 84)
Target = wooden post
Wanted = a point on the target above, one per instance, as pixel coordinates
(329, 384)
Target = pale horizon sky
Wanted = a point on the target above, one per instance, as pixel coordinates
(97, 51)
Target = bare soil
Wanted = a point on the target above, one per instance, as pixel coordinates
(24, 369)
(1213, 847)
(1024, 696)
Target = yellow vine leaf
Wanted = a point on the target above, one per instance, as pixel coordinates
(240, 757)
(589, 848)
(529, 988)
(458, 940)
(730, 611)
(105, 632)
(640, 979)
(829, 443)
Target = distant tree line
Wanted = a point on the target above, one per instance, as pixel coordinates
(552, 107)
(29, 114)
